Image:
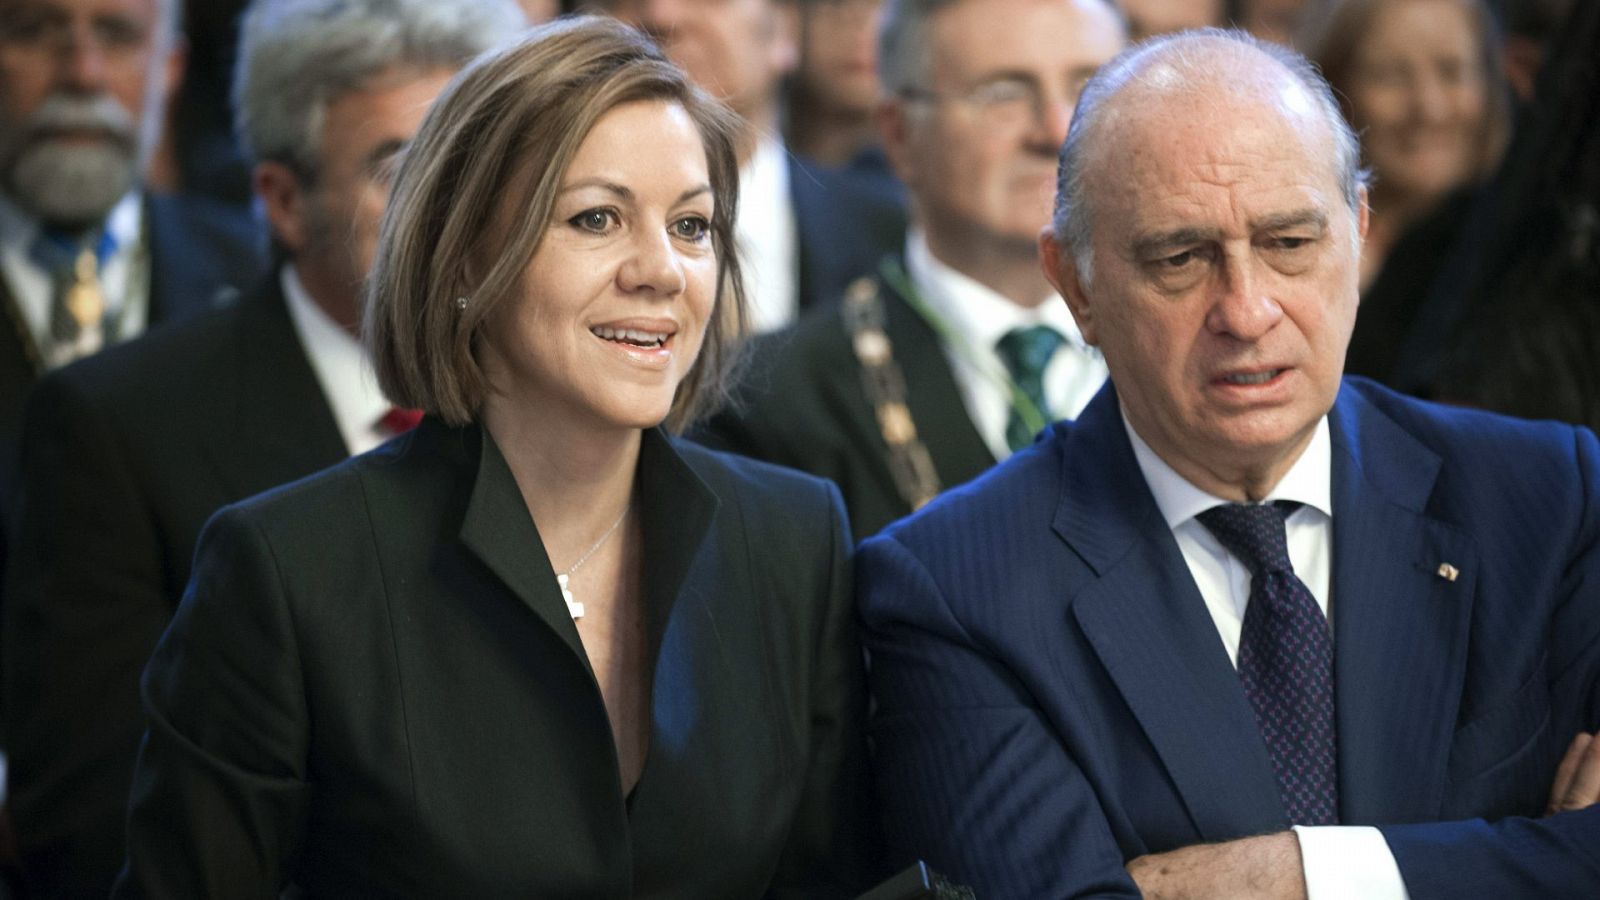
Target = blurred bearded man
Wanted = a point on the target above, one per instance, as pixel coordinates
(86, 258)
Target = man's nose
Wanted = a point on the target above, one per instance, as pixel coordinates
(1242, 306)
(82, 61)
(1052, 116)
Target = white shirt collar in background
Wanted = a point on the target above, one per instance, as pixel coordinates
(342, 368)
(768, 237)
(981, 317)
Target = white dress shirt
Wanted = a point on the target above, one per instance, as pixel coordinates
(1338, 861)
(768, 237)
(342, 367)
(124, 275)
(979, 317)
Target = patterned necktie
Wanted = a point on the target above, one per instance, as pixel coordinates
(1285, 660)
(77, 314)
(1025, 353)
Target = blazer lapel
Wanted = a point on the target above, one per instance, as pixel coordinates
(1400, 626)
(959, 452)
(499, 530)
(676, 508)
(279, 425)
(1146, 621)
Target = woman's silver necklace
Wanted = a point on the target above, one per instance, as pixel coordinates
(573, 606)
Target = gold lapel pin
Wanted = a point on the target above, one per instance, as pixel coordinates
(1448, 572)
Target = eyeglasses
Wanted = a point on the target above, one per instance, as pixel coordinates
(36, 32)
(999, 102)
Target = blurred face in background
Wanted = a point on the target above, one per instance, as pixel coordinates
(837, 51)
(735, 49)
(327, 220)
(1419, 96)
(83, 85)
(976, 142)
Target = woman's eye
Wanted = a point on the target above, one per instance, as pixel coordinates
(692, 228)
(596, 220)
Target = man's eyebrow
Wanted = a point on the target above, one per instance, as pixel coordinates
(384, 152)
(1161, 243)
(1292, 219)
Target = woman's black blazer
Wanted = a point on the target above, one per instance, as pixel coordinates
(372, 688)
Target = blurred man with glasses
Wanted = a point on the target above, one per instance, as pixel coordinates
(957, 352)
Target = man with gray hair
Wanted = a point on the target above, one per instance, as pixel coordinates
(1246, 628)
(957, 352)
(86, 257)
(126, 454)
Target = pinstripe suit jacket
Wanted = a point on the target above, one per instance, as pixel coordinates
(1053, 699)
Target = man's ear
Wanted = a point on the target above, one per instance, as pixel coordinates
(894, 133)
(283, 199)
(1061, 270)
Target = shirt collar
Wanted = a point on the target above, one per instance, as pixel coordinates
(1308, 482)
(18, 227)
(974, 311)
(340, 362)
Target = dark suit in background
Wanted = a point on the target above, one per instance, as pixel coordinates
(373, 688)
(126, 454)
(803, 405)
(845, 221)
(202, 255)
(1053, 699)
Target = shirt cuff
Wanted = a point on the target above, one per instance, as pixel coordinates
(1348, 861)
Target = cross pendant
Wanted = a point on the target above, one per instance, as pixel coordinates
(574, 608)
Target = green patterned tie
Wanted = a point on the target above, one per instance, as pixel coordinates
(1026, 352)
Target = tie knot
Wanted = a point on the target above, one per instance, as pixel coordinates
(1254, 532)
(1026, 351)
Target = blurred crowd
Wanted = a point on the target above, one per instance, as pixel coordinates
(191, 192)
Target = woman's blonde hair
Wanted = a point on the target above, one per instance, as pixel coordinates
(473, 198)
(1333, 38)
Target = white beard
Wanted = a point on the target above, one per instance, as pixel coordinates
(70, 182)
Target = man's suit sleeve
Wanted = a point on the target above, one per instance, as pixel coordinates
(964, 761)
(85, 601)
(219, 795)
(1556, 856)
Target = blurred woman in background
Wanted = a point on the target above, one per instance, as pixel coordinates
(1421, 82)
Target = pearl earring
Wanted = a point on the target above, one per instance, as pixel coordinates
(461, 303)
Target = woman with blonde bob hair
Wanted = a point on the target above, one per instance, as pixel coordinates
(537, 646)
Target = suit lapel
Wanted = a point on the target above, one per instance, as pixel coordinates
(959, 452)
(279, 425)
(1400, 628)
(1149, 626)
